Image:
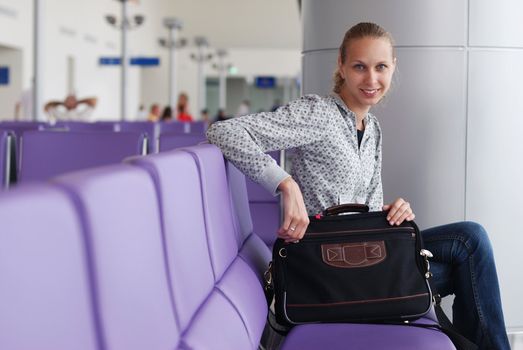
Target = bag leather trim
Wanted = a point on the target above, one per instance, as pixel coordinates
(353, 255)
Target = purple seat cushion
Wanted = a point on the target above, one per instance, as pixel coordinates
(364, 337)
(49, 153)
(120, 205)
(45, 297)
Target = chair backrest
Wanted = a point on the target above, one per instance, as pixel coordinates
(217, 295)
(170, 141)
(198, 127)
(235, 279)
(174, 127)
(45, 154)
(252, 248)
(20, 128)
(152, 131)
(84, 126)
(120, 205)
(46, 294)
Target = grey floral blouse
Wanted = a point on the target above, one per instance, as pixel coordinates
(328, 165)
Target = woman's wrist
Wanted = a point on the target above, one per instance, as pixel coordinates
(286, 184)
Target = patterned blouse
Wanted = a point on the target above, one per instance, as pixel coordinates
(328, 165)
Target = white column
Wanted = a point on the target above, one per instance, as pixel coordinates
(172, 67)
(201, 81)
(125, 63)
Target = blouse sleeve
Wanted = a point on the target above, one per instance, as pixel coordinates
(245, 140)
(375, 193)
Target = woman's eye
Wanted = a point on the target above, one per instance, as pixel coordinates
(359, 67)
(381, 67)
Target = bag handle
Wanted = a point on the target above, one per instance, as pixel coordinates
(346, 208)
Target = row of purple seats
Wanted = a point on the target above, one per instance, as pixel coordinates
(170, 141)
(152, 254)
(152, 130)
(45, 154)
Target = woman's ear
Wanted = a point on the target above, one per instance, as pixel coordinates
(340, 65)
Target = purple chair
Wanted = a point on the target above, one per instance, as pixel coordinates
(170, 141)
(46, 295)
(265, 208)
(333, 336)
(198, 127)
(152, 131)
(20, 128)
(174, 127)
(45, 154)
(120, 209)
(234, 277)
(219, 300)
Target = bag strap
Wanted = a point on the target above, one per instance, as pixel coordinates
(268, 284)
(346, 208)
(448, 328)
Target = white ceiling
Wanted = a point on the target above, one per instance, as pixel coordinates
(241, 23)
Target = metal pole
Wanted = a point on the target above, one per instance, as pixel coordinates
(223, 90)
(172, 67)
(222, 70)
(201, 82)
(125, 59)
(37, 82)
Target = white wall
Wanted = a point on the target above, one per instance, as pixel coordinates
(77, 28)
(249, 63)
(12, 59)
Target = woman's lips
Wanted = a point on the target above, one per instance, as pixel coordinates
(370, 92)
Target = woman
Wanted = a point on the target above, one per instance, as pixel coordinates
(338, 160)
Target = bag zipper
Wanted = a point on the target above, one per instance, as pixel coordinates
(411, 230)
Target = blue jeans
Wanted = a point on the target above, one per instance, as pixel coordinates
(463, 265)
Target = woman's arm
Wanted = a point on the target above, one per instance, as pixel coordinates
(245, 140)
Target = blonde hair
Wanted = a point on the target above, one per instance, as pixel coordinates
(358, 31)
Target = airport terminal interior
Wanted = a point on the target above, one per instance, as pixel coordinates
(104, 160)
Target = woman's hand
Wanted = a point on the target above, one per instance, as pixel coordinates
(399, 210)
(295, 218)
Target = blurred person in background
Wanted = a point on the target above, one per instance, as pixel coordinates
(71, 108)
(154, 113)
(182, 108)
(167, 114)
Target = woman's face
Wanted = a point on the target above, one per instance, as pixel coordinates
(367, 71)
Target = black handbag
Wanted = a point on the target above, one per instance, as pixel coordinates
(351, 268)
